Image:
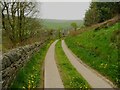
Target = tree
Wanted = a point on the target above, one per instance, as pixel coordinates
(91, 17)
(101, 11)
(74, 25)
(16, 19)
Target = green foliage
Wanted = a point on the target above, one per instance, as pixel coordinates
(31, 75)
(33, 32)
(28, 30)
(74, 25)
(63, 24)
(97, 50)
(91, 17)
(70, 77)
(115, 39)
(101, 11)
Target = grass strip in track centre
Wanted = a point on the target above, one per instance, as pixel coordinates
(31, 75)
(69, 75)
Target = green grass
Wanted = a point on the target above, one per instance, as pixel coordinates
(63, 24)
(31, 75)
(96, 49)
(69, 75)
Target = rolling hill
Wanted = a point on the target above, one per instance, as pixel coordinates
(56, 24)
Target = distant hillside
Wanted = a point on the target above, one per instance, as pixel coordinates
(55, 24)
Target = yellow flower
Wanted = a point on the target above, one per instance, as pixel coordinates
(29, 86)
(105, 65)
(29, 81)
(101, 64)
(23, 87)
(31, 75)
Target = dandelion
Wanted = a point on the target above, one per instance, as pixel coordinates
(80, 86)
(101, 64)
(29, 86)
(23, 87)
(29, 82)
(32, 81)
(31, 75)
(105, 65)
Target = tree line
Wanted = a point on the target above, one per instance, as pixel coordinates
(19, 21)
(101, 11)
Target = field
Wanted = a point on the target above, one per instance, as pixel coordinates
(56, 24)
(69, 75)
(96, 48)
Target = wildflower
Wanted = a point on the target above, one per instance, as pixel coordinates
(31, 75)
(80, 86)
(29, 82)
(101, 64)
(23, 87)
(29, 86)
(105, 65)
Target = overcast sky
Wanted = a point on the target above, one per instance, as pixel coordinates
(64, 10)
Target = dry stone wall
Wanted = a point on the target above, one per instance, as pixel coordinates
(14, 60)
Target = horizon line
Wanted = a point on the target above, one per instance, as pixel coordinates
(60, 19)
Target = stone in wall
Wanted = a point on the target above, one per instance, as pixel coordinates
(16, 59)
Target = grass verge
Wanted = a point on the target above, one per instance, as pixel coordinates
(69, 75)
(31, 75)
(97, 50)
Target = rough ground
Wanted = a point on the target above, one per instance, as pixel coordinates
(51, 75)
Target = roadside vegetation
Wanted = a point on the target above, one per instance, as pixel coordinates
(97, 49)
(101, 11)
(69, 75)
(31, 75)
(98, 42)
(20, 24)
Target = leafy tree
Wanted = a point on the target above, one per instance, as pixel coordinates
(101, 11)
(91, 16)
(16, 19)
(74, 25)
